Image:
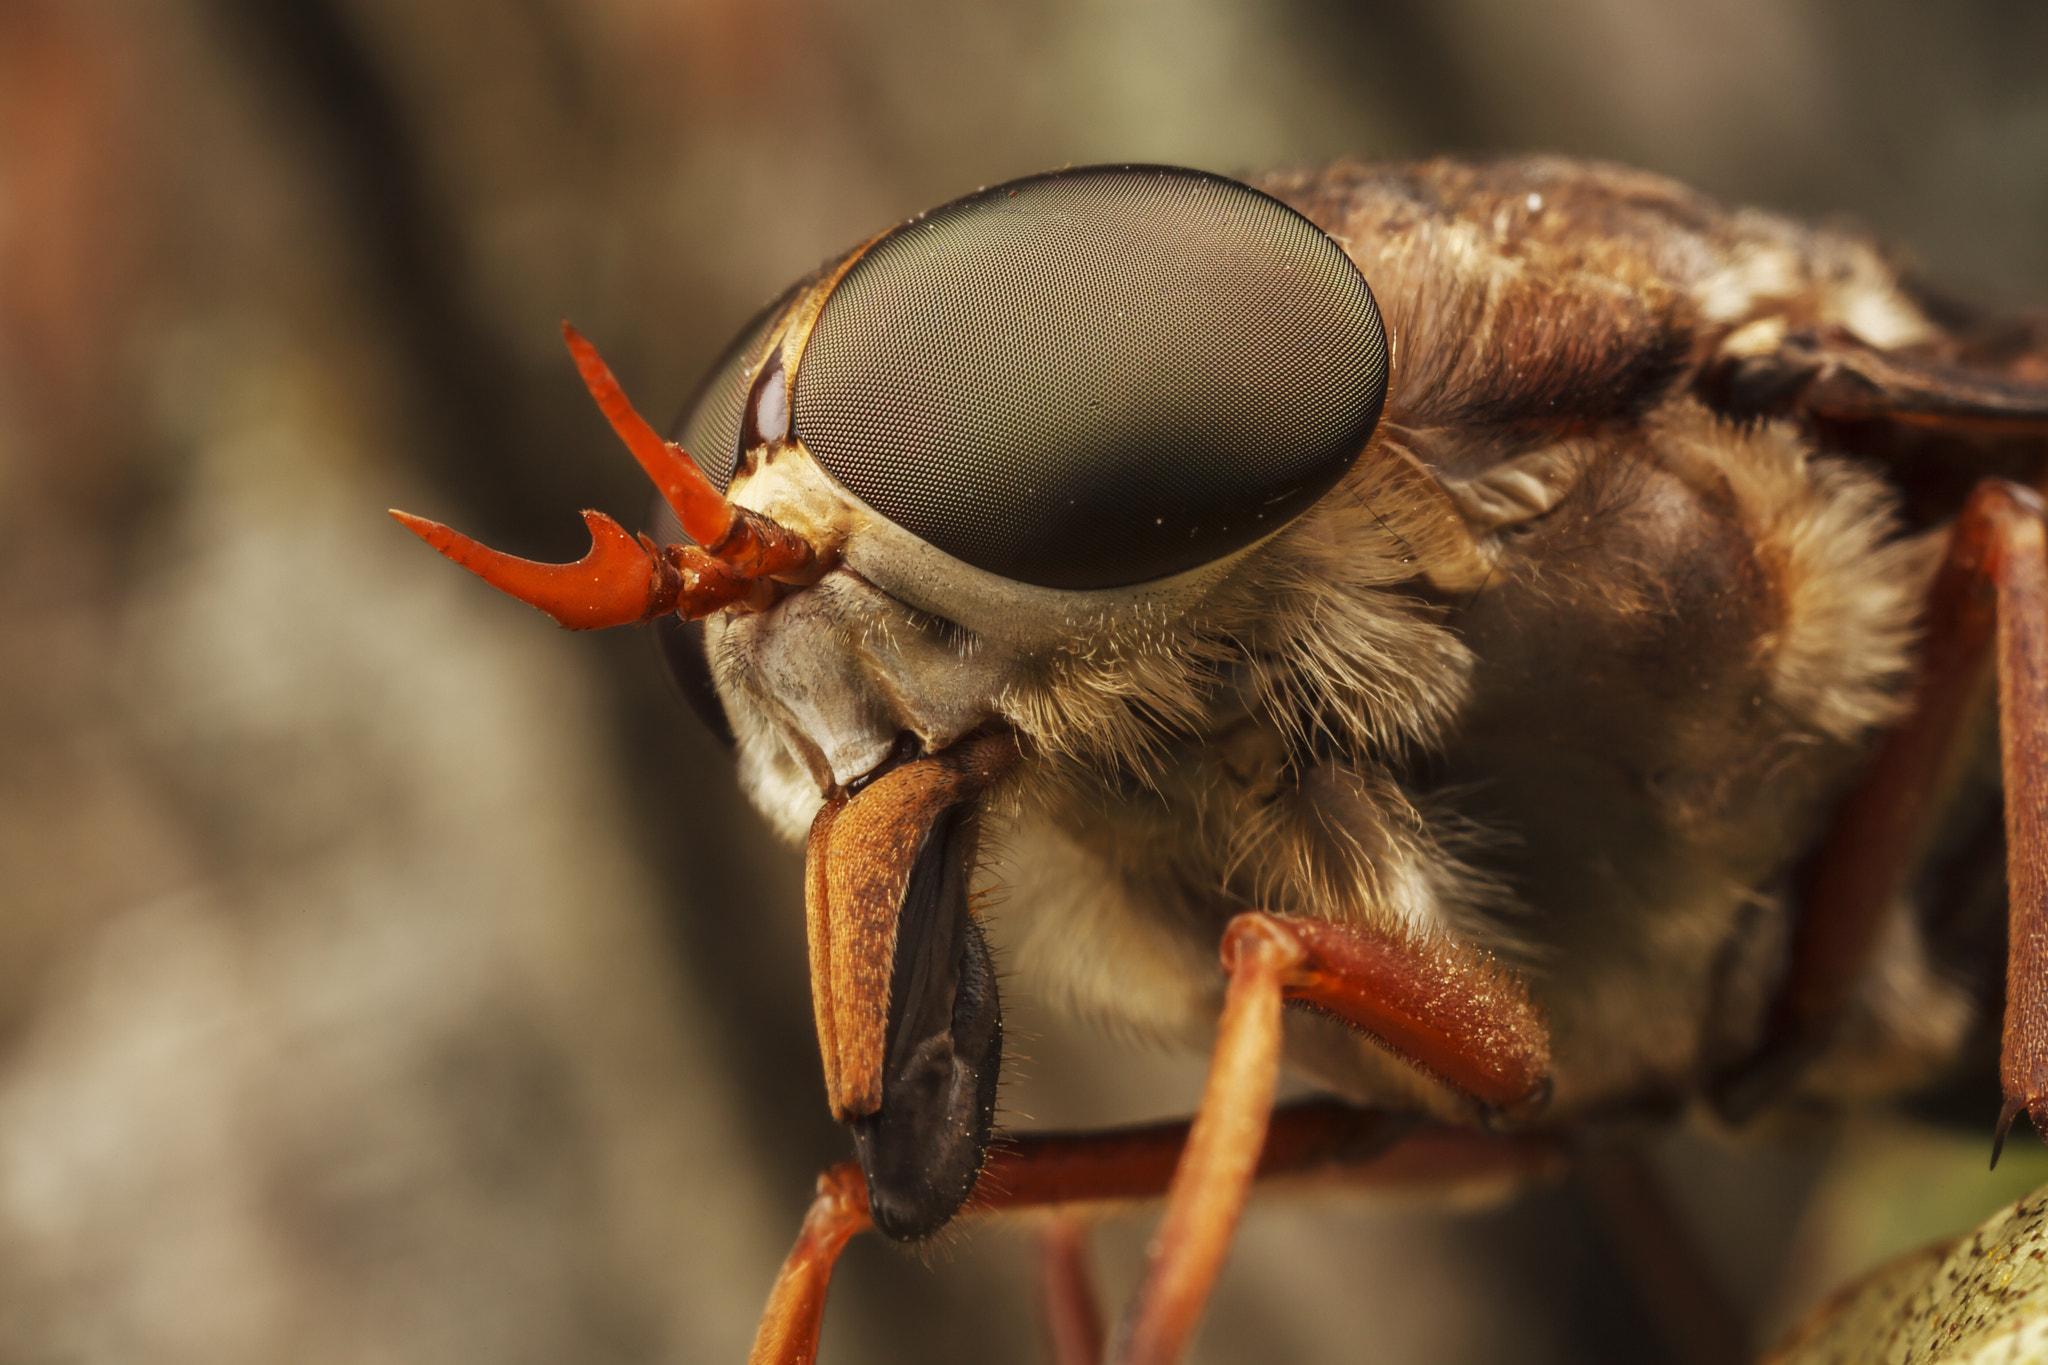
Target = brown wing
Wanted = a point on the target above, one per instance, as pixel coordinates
(1941, 416)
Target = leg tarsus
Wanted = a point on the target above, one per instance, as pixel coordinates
(2007, 1112)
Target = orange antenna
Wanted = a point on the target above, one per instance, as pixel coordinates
(706, 516)
(626, 579)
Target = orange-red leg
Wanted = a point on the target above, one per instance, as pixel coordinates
(2022, 573)
(788, 1334)
(1215, 1173)
(1438, 1006)
(1986, 605)
(1323, 1141)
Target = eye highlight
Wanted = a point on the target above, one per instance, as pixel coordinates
(771, 406)
(1097, 377)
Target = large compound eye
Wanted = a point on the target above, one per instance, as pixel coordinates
(1096, 377)
(710, 428)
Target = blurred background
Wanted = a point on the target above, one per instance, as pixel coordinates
(388, 976)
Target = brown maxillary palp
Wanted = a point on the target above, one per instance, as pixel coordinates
(909, 1017)
(858, 867)
(624, 579)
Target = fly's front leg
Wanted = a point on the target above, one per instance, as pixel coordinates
(1215, 1174)
(1435, 1004)
(1987, 605)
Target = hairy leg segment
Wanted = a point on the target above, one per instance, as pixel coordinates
(1988, 606)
